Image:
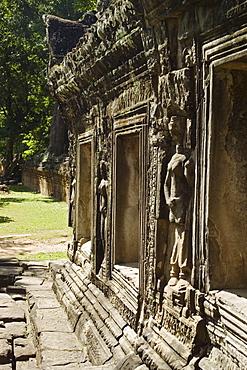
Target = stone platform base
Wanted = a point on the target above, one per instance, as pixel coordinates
(109, 339)
(36, 334)
(53, 317)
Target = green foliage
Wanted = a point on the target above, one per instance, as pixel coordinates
(70, 9)
(25, 105)
(24, 102)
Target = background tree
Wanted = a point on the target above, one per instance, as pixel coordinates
(25, 104)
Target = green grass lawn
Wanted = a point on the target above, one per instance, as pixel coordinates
(51, 256)
(24, 212)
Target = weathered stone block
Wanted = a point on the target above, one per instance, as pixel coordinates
(29, 281)
(35, 294)
(27, 365)
(131, 335)
(73, 315)
(129, 362)
(86, 304)
(108, 336)
(59, 341)
(16, 329)
(152, 359)
(24, 348)
(206, 364)
(103, 314)
(58, 289)
(53, 319)
(114, 328)
(46, 302)
(5, 351)
(56, 357)
(98, 351)
(125, 344)
(94, 290)
(81, 326)
(11, 313)
(75, 289)
(42, 284)
(9, 261)
(118, 353)
(5, 300)
(8, 274)
(118, 319)
(90, 296)
(169, 349)
(79, 295)
(104, 301)
(12, 289)
(71, 367)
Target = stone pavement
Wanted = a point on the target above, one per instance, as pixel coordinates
(35, 332)
(34, 329)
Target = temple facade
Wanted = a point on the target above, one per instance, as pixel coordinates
(154, 96)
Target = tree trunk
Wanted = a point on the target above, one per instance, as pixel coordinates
(58, 144)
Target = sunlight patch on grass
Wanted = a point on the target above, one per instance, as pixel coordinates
(50, 256)
(26, 212)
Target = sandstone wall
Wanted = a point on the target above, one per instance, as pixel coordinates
(154, 98)
(48, 181)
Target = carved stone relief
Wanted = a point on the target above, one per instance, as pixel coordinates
(135, 80)
(177, 92)
(137, 92)
(103, 198)
(158, 217)
(178, 193)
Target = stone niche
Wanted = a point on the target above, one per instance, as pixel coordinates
(83, 210)
(228, 175)
(127, 221)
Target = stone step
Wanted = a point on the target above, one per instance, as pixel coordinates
(56, 344)
(52, 343)
(35, 333)
(8, 274)
(16, 342)
(95, 320)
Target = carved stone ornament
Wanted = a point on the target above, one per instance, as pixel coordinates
(178, 193)
(103, 194)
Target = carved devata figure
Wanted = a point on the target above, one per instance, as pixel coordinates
(178, 194)
(102, 191)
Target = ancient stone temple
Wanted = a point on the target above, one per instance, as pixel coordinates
(154, 95)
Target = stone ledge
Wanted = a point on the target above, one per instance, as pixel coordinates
(93, 316)
(227, 327)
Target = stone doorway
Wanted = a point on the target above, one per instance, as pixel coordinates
(84, 194)
(228, 174)
(127, 207)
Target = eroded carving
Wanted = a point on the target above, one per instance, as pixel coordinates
(178, 192)
(102, 190)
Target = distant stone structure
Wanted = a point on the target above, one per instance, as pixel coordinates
(156, 92)
(48, 177)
